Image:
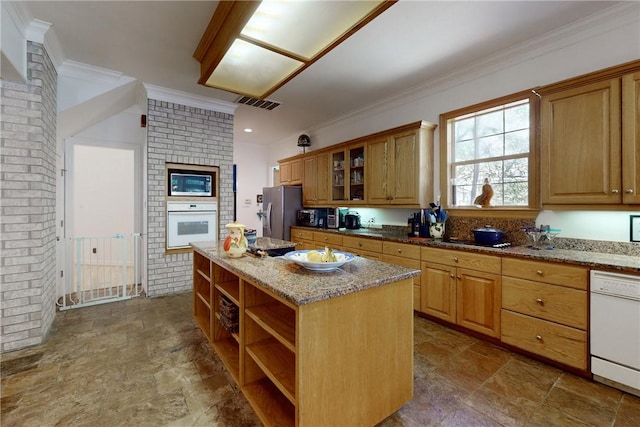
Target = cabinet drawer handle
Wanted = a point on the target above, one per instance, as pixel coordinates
(459, 277)
(399, 251)
(615, 191)
(539, 301)
(629, 191)
(539, 272)
(452, 276)
(539, 338)
(360, 244)
(455, 258)
(326, 238)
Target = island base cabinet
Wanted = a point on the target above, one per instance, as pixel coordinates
(354, 369)
(345, 360)
(551, 340)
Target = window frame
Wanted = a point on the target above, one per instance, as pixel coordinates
(533, 207)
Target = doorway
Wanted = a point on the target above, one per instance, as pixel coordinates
(103, 250)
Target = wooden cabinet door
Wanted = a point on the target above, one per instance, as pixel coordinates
(296, 171)
(403, 182)
(285, 173)
(322, 178)
(478, 301)
(581, 145)
(438, 291)
(309, 182)
(378, 163)
(631, 138)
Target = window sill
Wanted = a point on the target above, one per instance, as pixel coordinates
(497, 212)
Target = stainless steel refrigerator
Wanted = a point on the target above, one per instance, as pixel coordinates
(280, 205)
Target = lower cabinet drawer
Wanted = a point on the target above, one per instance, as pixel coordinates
(549, 302)
(328, 239)
(551, 340)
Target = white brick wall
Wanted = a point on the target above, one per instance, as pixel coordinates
(27, 203)
(182, 134)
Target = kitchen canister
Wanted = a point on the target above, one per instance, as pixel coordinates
(235, 245)
(436, 230)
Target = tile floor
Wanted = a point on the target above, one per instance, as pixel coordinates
(143, 362)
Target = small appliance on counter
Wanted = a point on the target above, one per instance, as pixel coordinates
(336, 217)
(312, 218)
(352, 220)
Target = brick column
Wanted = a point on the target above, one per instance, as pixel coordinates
(27, 203)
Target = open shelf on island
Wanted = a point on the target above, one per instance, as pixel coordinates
(228, 350)
(269, 403)
(278, 320)
(278, 363)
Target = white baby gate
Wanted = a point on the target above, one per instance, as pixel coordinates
(100, 270)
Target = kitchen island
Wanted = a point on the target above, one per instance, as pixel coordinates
(309, 348)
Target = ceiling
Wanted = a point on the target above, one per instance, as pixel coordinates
(408, 45)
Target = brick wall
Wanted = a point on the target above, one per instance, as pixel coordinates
(27, 203)
(182, 134)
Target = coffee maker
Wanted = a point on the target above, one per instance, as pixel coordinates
(336, 217)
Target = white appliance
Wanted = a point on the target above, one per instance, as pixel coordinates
(280, 205)
(615, 330)
(191, 222)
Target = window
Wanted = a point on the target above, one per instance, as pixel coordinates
(494, 142)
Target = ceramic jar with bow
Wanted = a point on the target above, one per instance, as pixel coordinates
(235, 243)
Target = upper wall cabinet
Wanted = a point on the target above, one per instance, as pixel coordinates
(590, 139)
(291, 171)
(400, 166)
(315, 177)
(348, 174)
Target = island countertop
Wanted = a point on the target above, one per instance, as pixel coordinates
(300, 286)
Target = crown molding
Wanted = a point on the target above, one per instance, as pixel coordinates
(79, 70)
(19, 13)
(188, 99)
(611, 18)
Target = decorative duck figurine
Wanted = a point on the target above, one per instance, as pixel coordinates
(484, 199)
(235, 244)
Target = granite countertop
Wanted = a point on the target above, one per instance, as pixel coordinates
(594, 256)
(299, 286)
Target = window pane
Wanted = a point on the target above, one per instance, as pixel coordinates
(490, 124)
(464, 129)
(516, 142)
(464, 150)
(491, 146)
(516, 118)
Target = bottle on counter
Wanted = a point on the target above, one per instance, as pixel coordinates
(410, 226)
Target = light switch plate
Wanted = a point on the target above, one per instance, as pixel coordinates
(634, 227)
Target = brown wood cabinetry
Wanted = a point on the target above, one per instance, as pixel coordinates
(303, 238)
(322, 239)
(364, 247)
(544, 310)
(462, 288)
(312, 364)
(588, 123)
(348, 174)
(291, 171)
(401, 166)
(315, 177)
(408, 256)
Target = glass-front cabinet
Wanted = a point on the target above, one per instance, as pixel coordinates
(347, 174)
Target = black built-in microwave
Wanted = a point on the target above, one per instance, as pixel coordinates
(191, 183)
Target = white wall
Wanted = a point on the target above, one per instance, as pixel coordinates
(252, 176)
(589, 46)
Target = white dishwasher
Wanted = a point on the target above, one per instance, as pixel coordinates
(615, 330)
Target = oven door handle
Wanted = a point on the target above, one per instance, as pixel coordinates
(267, 218)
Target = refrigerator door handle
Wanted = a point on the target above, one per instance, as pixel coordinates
(267, 218)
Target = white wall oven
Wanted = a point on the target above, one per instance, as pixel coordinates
(191, 222)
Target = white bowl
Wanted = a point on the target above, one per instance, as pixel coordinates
(300, 258)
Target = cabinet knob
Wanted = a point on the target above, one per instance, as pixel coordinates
(459, 277)
(452, 276)
(399, 251)
(360, 244)
(326, 238)
(455, 258)
(629, 191)
(615, 191)
(539, 272)
(539, 301)
(539, 337)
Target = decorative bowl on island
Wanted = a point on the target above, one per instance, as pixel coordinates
(301, 258)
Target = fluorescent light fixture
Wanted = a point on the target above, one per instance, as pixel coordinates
(255, 47)
(248, 130)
